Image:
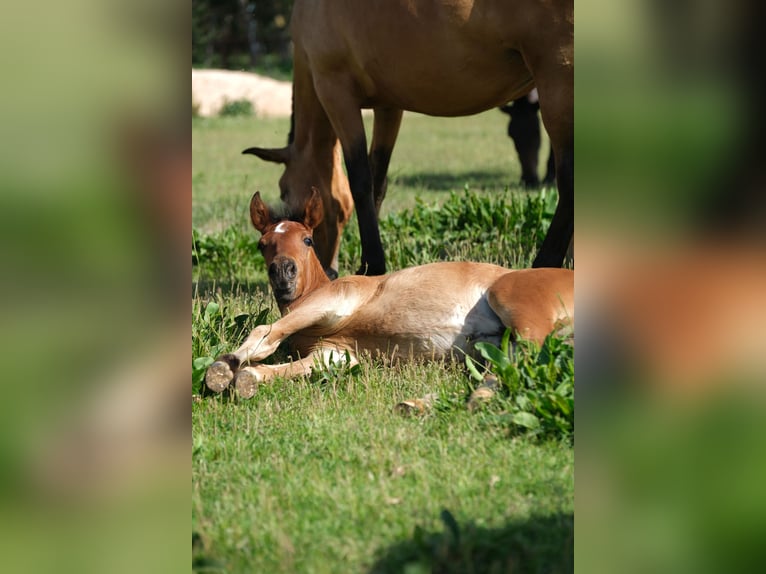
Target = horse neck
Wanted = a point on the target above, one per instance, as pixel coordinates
(310, 127)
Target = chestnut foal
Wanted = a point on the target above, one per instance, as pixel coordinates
(420, 313)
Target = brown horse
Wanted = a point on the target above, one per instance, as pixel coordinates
(437, 57)
(420, 313)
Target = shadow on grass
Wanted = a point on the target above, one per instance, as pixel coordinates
(539, 544)
(446, 181)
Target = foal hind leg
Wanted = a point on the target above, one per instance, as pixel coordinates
(384, 133)
(249, 377)
(246, 378)
(533, 302)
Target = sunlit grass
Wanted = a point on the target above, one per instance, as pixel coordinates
(322, 475)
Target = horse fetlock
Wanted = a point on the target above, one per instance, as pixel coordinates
(230, 359)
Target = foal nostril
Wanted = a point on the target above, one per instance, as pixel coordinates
(290, 269)
(283, 270)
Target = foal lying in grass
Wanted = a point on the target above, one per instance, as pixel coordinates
(420, 313)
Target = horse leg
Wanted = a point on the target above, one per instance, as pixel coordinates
(553, 71)
(524, 131)
(261, 343)
(345, 115)
(321, 313)
(248, 378)
(384, 132)
(561, 230)
(550, 169)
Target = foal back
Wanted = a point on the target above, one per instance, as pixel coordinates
(431, 311)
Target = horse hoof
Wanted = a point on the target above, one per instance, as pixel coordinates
(246, 384)
(218, 376)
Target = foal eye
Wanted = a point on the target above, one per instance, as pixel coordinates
(308, 242)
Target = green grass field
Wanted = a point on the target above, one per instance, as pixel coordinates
(320, 475)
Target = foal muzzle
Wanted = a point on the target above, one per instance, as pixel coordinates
(283, 274)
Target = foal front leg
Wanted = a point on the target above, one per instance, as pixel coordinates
(261, 343)
(265, 339)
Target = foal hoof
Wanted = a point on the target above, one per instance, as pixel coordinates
(218, 376)
(246, 384)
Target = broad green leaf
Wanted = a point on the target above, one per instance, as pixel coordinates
(493, 355)
(526, 420)
(211, 310)
(202, 362)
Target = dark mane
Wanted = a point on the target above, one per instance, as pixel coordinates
(281, 212)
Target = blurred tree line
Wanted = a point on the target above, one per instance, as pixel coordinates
(241, 34)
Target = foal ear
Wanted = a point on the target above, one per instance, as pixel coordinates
(314, 210)
(259, 213)
(275, 155)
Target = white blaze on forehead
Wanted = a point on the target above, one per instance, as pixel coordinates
(280, 228)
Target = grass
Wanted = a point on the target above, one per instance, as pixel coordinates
(321, 475)
(433, 156)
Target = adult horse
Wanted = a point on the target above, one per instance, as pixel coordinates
(437, 57)
(430, 312)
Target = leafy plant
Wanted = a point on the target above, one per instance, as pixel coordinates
(503, 228)
(332, 369)
(230, 255)
(537, 384)
(234, 108)
(214, 330)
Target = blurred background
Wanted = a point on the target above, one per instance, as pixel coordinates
(242, 35)
(671, 357)
(95, 219)
(95, 216)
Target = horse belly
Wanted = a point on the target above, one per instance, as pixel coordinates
(465, 78)
(438, 91)
(450, 336)
(435, 58)
(413, 317)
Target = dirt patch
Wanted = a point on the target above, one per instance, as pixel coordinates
(212, 88)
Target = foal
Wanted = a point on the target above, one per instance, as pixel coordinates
(420, 313)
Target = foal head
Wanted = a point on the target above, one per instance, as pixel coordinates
(288, 248)
(320, 166)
